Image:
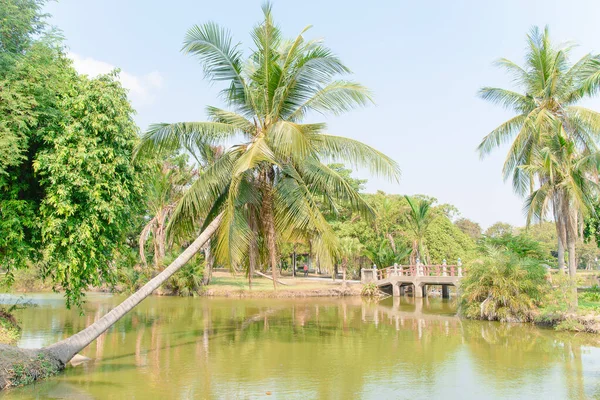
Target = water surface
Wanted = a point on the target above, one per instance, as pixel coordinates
(184, 348)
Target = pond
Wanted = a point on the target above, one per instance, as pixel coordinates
(313, 348)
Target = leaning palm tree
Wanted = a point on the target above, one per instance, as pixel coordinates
(550, 89)
(418, 218)
(269, 184)
(273, 176)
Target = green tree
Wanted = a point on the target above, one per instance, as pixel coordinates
(446, 241)
(468, 227)
(546, 108)
(499, 229)
(419, 217)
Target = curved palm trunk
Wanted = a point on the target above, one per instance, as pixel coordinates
(67, 348)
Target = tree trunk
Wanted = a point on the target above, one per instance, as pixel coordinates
(253, 247)
(159, 240)
(294, 261)
(560, 232)
(67, 348)
(270, 232)
(569, 216)
(210, 263)
(344, 268)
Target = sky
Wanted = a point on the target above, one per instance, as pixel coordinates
(423, 60)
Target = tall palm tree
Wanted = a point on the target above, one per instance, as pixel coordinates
(273, 174)
(268, 185)
(550, 89)
(567, 183)
(419, 217)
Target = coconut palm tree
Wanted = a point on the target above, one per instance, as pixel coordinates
(269, 184)
(569, 184)
(418, 218)
(550, 89)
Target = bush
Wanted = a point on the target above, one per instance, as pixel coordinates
(188, 280)
(503, 287)
(370, 290)
(10, 331)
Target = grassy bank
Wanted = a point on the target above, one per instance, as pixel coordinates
(224, 284)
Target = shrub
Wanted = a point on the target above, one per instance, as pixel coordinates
(370, 290)
(188, 280)
(503, 287)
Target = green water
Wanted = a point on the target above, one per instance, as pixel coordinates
(183, 348)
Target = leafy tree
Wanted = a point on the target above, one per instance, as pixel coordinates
(446, 241)
(70, 192)
(545, 110)
(468, 227)
(499, 229)
(21, 22)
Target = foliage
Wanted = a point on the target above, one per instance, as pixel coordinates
(70, 193)
(499, 229)
(520, 245)
(593, 294)
(188, 281)
(445, 241)
(503, 287)
(384, 255)
(369, 290)
(468, 227)
(10, 331)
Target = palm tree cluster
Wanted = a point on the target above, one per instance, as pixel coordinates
(553, 159)
(269, 187)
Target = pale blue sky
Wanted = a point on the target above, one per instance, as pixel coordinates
(424, 61)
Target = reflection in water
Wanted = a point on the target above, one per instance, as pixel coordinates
(309, 348)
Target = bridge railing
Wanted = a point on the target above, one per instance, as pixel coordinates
(421, 270)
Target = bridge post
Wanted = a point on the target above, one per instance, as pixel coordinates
(445, 292)
(419, 290)
(395, 290)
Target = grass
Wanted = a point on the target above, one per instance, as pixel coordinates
(224, 282)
